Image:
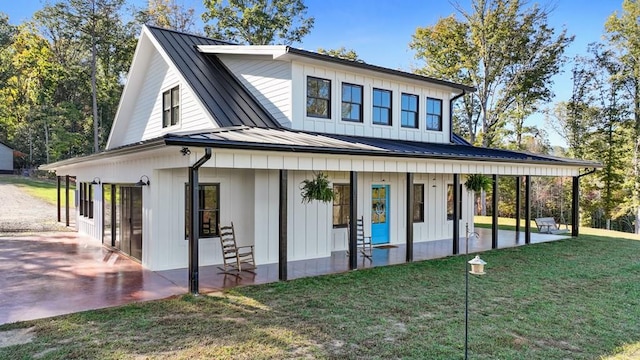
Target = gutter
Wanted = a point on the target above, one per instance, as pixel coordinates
(194, 231)
(463, 93)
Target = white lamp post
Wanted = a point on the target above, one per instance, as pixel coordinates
(477, 268)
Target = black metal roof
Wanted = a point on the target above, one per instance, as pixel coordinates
(226, 99)
(247, 138)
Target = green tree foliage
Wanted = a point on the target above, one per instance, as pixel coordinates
(504, 49)
(341, 53)
(167, 14)
(257, 22)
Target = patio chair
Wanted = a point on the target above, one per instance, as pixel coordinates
(363, 243)
(235, 258)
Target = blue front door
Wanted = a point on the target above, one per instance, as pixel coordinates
(380, 214)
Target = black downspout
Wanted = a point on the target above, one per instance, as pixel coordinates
(194, 232)
(66, 199)
(494, 214)
(527, 209)
(282, 226)
(353, 214)
(451, 113)
(575, 207)
(409, 219)
(518, 206)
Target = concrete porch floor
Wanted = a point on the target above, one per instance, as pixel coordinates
(49, 274)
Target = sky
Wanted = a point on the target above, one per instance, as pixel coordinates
(380, 30)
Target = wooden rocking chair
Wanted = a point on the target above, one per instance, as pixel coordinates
(235, 258)
(363, 243)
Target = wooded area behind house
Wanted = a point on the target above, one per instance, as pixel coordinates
(63, 71)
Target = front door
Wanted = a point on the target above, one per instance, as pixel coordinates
(131, 221)
(380, 214)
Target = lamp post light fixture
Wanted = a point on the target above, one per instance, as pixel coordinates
(477, 268)
(95, 181)
(144, 181)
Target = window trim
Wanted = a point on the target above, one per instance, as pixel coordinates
(328, 100)
(187, 211)
(419, 202)
(450, 216)
(433, 114)
(416, 113)
(374, 106)
(170, 108)
(361, 103)
(347, 187)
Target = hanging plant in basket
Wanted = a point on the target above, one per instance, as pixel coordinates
(317, 189)
(478, 182)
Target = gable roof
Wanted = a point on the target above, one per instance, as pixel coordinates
(230, 103)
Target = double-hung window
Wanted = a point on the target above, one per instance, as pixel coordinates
(409, 113)
(318, 97)
(341, 205)
(381, 107)
(434, 114)
(351, 102)
(208, 210)
(171, 107)
(418, 203)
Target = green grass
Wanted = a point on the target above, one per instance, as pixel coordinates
(569, 299)
(40, 188)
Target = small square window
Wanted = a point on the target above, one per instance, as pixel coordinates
(318, 97)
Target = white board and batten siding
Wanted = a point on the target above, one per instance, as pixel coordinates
(6, 158)
(268, 81)
(145, 120)
(335, 125)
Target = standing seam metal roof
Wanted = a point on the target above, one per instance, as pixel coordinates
(226, 99)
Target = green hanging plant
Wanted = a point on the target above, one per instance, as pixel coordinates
(478, 182)
(317, 189)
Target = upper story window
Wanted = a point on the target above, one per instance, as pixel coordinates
(409, 113)
(351, 102)
(434, 114)
(171, 107)
(381, 107)
(318, 97)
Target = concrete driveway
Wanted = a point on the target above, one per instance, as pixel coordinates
(44, 272)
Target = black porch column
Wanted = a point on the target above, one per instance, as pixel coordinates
(575, 207)
(66, 200)
(518, 191)
(194, 232)
(282, 227)
(456, 214)
(494, 213)
(58, 198)
(410, 195)
(353, 216)
(527, 209)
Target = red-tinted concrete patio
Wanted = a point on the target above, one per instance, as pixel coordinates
(52, 274)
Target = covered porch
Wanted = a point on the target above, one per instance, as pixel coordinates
(212, 279)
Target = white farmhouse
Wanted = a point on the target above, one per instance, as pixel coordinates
(245, 125)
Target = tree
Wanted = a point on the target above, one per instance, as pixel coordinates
(623, 36)
(167, 14)
(257, 22)
(341, 53)
(508, 52)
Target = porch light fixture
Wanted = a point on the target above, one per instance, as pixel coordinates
(142, 181)
(477, 268)
(185, 151)
(95, 181)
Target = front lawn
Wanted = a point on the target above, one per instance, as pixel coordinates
(570, 299)
(41, 188)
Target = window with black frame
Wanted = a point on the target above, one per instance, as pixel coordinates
(171, 107)
(409, 112)
(351, 102)
(208, 210)
(418, 203)
(434, 114)
(381, 107)
(341, 205)
(318, 97)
